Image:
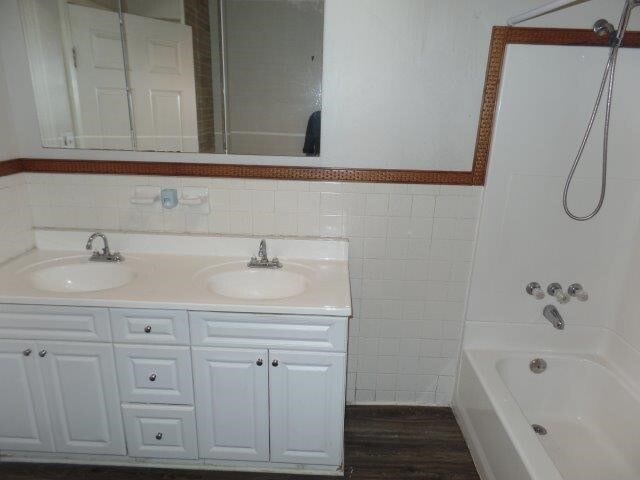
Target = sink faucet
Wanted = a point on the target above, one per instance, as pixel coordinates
(552, 314)
(262, 260)
(105, 255)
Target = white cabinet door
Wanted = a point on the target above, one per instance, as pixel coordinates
(306, 393)
(24, 423)
(82, 393)
(232, 403)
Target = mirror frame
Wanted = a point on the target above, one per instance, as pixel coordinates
(501, 37)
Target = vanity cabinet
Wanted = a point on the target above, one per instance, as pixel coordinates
(259, 390)
(24, 422)
(59, 396)
(82, 395)
(306, 398)
(232, 399)
(259, 405)
(282, 401)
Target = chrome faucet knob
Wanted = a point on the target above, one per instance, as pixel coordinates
(576, 290)
(535, 290)
(555, 290)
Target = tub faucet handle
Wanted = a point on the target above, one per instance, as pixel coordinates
(535, 290)
(576, 290)
(555, 290)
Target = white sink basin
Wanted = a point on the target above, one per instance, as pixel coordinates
(257, 284)
(82, 277)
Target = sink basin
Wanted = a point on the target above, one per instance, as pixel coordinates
(258, 284)
(82, 277)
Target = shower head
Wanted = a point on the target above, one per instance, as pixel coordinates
(603, 28)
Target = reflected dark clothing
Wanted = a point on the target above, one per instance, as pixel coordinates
(312, 138)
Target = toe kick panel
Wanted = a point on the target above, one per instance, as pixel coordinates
(160, 431)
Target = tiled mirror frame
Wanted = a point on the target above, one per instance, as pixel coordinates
(501, 37)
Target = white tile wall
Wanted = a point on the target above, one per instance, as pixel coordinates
(410, 257)
(15, 217)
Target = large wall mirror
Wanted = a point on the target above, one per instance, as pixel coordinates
(208, 76)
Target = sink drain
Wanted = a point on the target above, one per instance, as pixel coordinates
(538, 365)
(539, 429)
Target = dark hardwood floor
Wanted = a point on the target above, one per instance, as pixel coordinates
(390, 443)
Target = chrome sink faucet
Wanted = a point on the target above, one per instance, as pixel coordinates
(262, 260)
(105, 255)
(552, 314)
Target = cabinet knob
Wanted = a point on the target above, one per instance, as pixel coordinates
(26, 352)
(275, 363)
(147, 329)
(42, 353)
(153, 377)
(259, 362)
(159, 436)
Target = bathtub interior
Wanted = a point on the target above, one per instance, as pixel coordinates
(591, 417)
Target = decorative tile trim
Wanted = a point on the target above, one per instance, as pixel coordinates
(500, 38)
(272, 172)
(10, 167)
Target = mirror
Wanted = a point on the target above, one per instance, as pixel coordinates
(209, 76)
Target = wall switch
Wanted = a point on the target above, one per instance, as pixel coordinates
(169, 197)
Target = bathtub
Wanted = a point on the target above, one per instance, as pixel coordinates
(587, 400)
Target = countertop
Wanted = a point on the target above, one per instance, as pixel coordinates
(172, 271)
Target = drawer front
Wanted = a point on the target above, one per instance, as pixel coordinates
(154, 374)
(167, 327)
(160, 431)
(46, 322)
(268, 331)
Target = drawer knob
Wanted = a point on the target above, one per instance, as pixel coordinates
(159, 436)
(26, 352)
(147, 329)
(153, 377)
(259, 362)
(42, 353)
(275, 363)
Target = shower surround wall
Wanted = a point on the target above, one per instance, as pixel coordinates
(524, 234)
(410, 257)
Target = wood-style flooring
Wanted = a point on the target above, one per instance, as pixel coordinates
(390, 443)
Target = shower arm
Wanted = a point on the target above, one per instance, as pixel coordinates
(543, 10)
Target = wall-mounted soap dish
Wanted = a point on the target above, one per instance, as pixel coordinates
(145, 195)
(194, 196)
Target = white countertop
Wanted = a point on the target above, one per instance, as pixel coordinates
(170, 272)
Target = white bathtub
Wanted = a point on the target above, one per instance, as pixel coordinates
(586, 400)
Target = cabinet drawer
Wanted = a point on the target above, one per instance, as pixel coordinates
(46, 322)
(160, 431)
(267, 331)
(154, 374)
(149, 326)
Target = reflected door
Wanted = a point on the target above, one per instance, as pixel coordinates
(99, 93)
(163, 84)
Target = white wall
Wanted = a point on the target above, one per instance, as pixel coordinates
(524, 235)
(16, 236)
(401, 88)
(8, 144)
